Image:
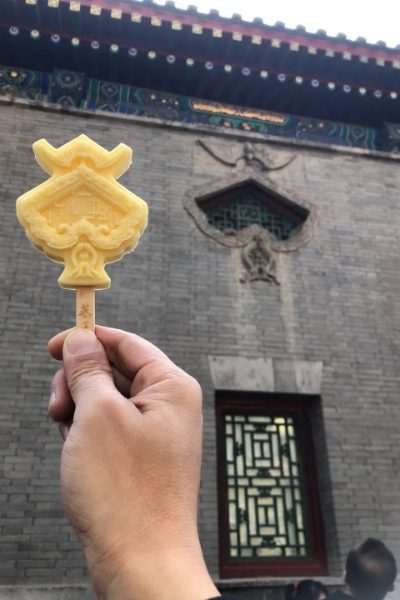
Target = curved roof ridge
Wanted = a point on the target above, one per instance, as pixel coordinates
(260, 21)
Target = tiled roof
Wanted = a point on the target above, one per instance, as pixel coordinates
(339, 46)
(184, 51)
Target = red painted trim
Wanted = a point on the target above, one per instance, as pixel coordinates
(266, 33)
(284, 404)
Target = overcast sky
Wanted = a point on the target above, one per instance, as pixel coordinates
(366, 18)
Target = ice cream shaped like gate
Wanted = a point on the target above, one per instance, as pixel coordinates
(81, 216)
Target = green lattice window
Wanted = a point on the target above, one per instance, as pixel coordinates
(267, 518)
(240, 207)
(265, 487)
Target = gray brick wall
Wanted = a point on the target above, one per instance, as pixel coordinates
(337, 303)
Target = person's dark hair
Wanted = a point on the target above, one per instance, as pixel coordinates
(370, 570)
(307, 589)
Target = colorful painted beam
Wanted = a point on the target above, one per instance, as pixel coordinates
(71, 89)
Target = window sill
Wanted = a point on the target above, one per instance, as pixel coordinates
(272, 582)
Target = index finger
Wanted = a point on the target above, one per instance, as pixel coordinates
(127, 351)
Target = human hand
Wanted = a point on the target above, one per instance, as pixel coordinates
(130, 465)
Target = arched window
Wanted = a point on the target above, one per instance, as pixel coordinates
(236, 208)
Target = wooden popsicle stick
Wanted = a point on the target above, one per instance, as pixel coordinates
(85, 307)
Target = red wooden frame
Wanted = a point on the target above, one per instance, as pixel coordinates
(284, 404)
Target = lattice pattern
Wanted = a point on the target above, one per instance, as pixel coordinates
(265, 488)
(244, 210)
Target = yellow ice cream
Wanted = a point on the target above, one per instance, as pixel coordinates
(81, 216)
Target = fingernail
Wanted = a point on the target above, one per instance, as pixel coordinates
(81, 341)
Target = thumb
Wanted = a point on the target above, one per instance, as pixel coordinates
(87, 370)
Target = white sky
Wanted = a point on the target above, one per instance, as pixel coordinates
(372, 19)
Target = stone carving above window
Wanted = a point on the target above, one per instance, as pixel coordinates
(254, 156)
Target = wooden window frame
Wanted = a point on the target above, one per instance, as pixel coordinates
(299, 407)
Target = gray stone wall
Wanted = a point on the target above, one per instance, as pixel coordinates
(336, 310)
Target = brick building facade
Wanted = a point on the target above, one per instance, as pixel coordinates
(307, 324)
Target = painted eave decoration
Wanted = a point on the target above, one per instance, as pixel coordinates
(206, 56)
(237, 29)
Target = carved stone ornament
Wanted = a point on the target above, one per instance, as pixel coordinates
(258, 261)
(253, 156)
(238, 239)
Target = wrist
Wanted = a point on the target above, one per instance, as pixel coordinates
(157, 574)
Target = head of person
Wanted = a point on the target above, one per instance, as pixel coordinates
(307, 589)
(370, 570)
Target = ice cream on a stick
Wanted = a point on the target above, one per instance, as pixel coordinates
(81, 216)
